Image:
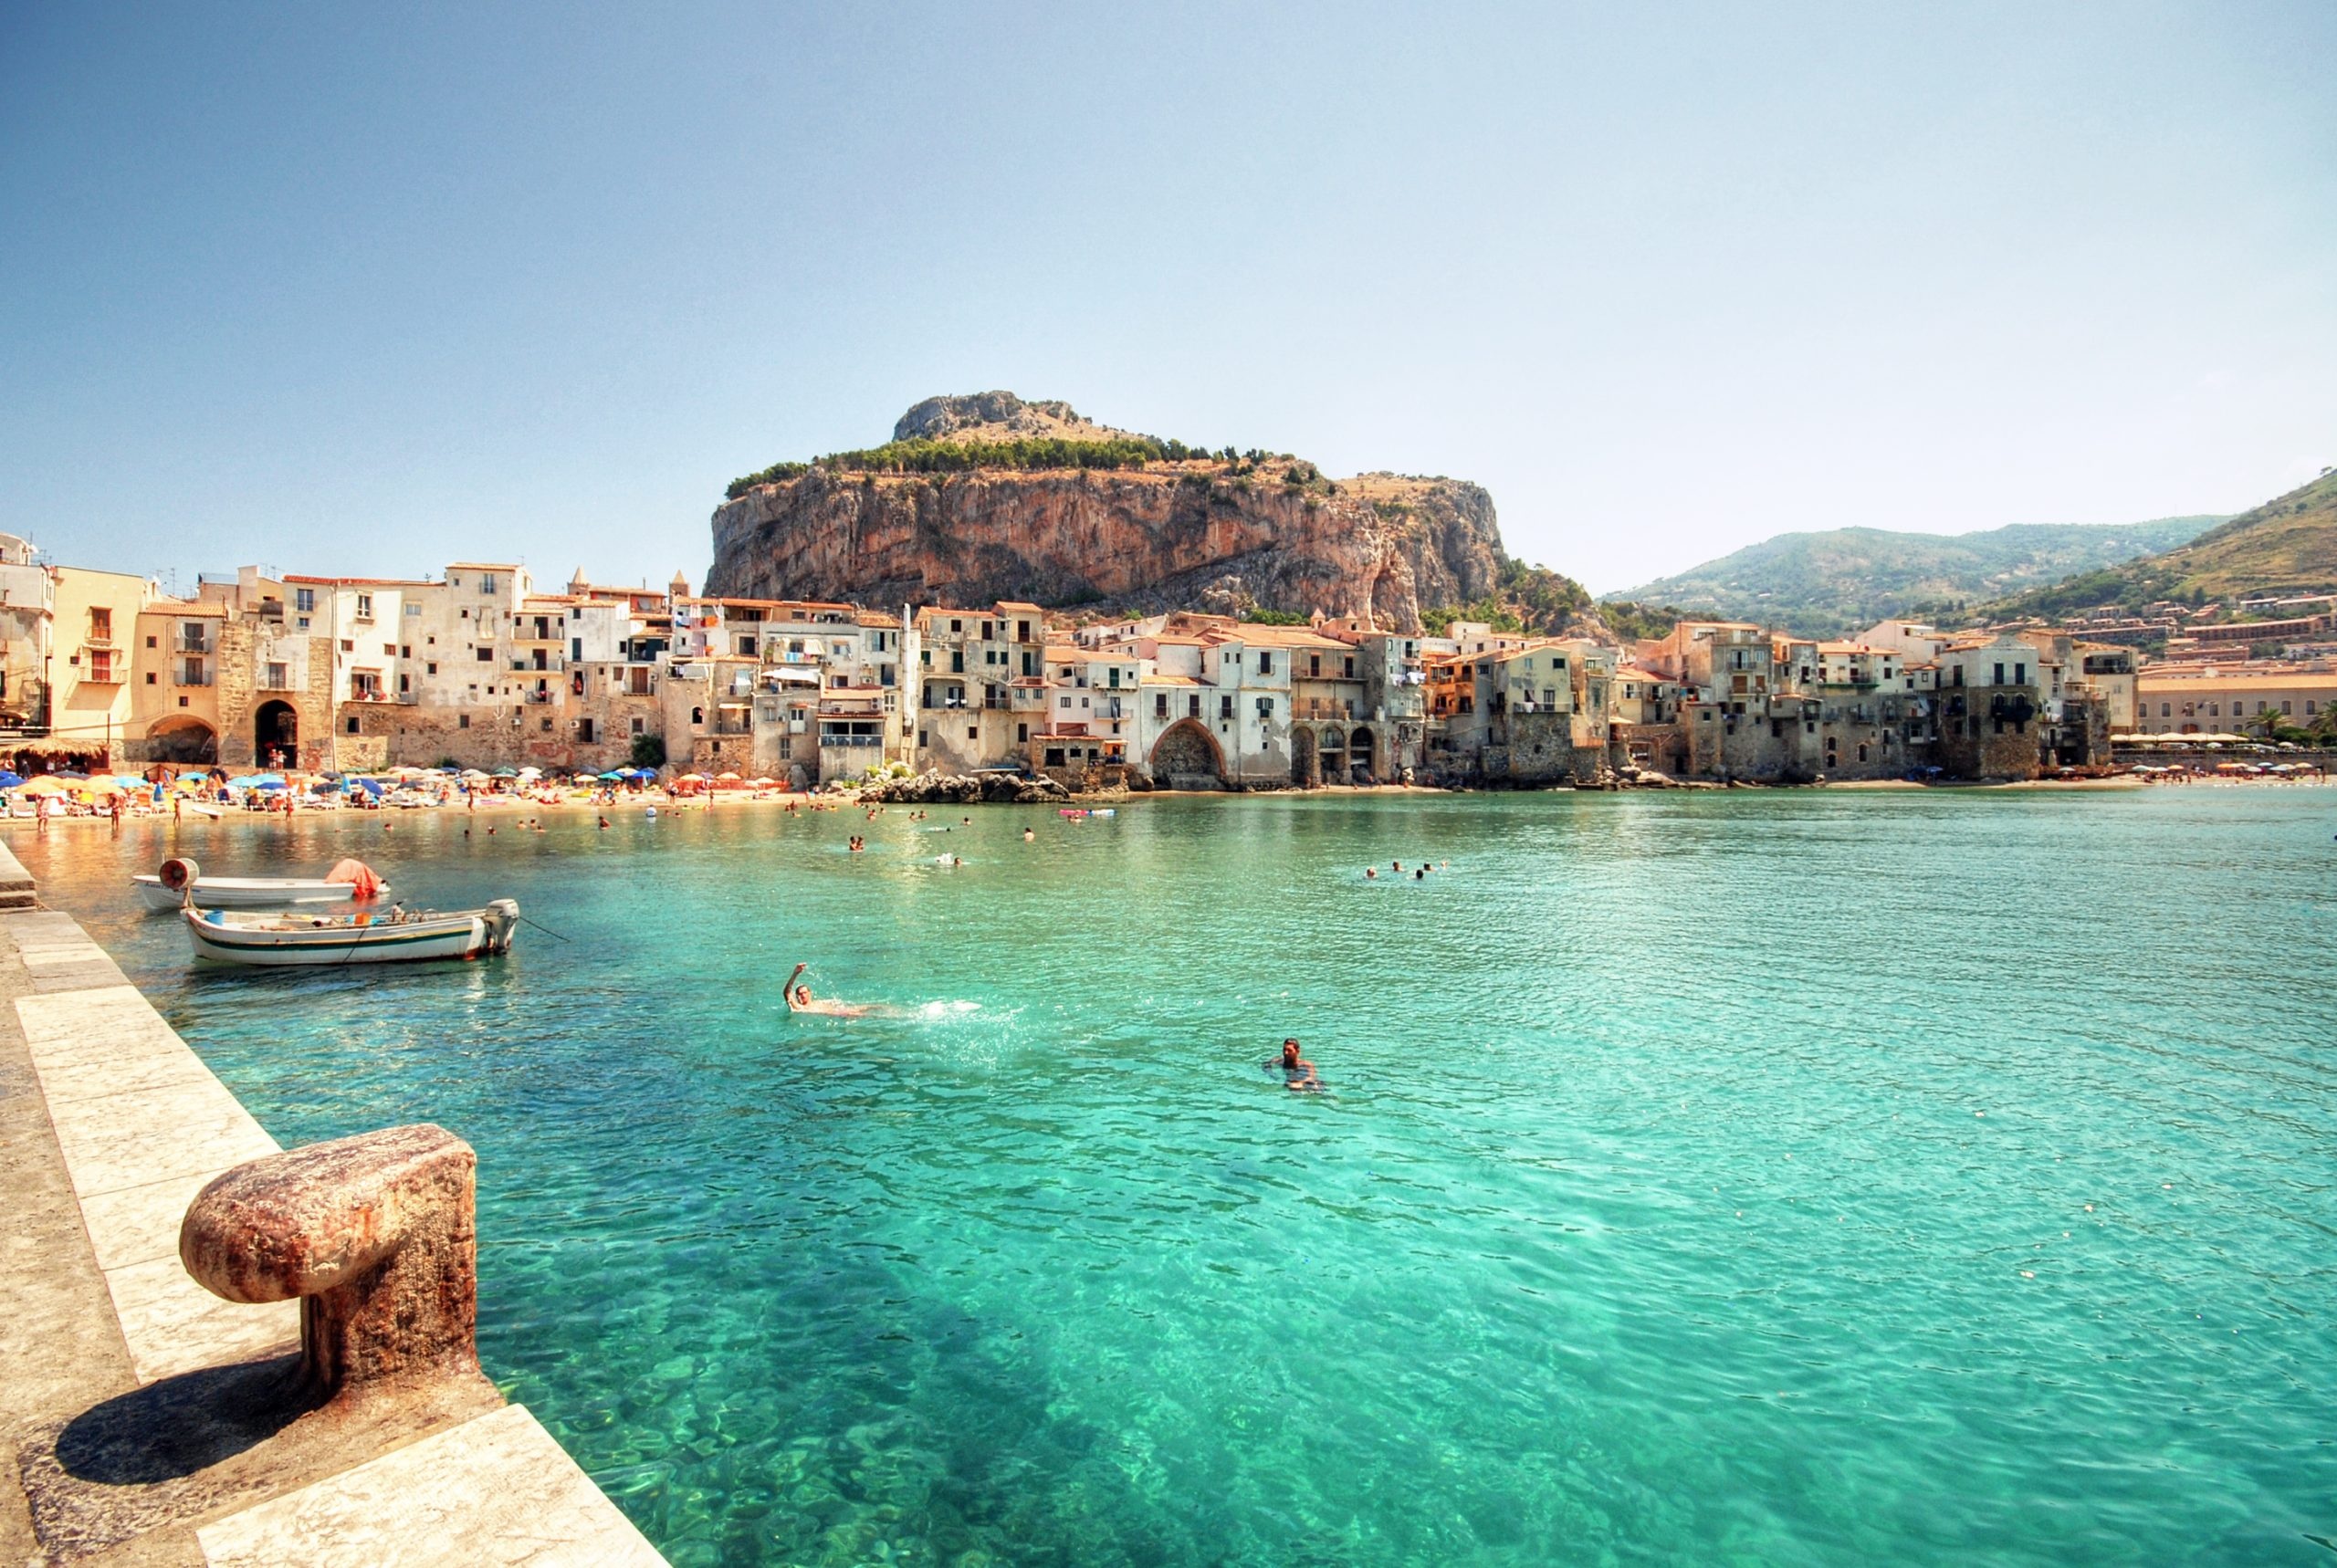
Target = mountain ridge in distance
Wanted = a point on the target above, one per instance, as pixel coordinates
(2287, 545)
(1836, 580)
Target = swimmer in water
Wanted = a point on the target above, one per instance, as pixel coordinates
(1371, 873)
(801, 1000)
(1297, 1072)
(1028, 835)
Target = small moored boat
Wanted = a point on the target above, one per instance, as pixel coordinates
(392, 936)
(348, 881)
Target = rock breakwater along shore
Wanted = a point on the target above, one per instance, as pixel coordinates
(988, 497)
(935, 788)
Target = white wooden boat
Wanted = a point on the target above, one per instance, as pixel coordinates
(392, 936)
(167, 889)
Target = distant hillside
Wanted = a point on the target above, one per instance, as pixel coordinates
(2287, 545)
(1824, 584)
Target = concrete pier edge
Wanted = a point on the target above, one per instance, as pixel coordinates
(140, 1421)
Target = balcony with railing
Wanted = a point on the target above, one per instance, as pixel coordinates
(1322, 708)
(193, 640)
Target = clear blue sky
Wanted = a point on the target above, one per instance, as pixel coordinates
(364, 289)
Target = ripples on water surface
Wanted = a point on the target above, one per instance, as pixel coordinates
(1826, 1179)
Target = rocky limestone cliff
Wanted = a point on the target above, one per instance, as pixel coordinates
(995, 416)
(1217, 534)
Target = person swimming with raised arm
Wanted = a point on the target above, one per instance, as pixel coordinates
(1297, 1072)
(801, 1000)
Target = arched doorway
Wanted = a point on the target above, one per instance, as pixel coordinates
(1334, 746)
(1187, 757)
(1305, 761)
(276, 735)
(182, 739)
(1363, 766)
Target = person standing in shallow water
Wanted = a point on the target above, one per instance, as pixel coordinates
(1297, 1072)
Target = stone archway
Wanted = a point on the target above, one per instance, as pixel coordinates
(1306, 759)
(1363, 760)
(1332, 744)
(1187, 757)
(182, 740)
(276, 735)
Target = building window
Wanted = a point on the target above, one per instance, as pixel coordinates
(349, 723)
(1266, 707)
(1225, 707)
(584, 730)
(486, 655)
(149, 677)
(1266, 663)
(973, 733)
(1022, 733)
(486, 582)
(544, 725)
(1160, 705)
(278, 676)
(638, 729)
(1193, 705)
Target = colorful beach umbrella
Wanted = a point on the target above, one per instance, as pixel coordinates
(9, 779)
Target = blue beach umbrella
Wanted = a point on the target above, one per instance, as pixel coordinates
(9, 779)
(612, 777)
(370, 786)
(69, 773)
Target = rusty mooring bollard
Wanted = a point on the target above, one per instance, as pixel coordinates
(377, 1238)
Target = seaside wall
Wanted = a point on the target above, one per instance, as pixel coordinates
(144, 1418)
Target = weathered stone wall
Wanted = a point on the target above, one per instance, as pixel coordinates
(1991, 733)
(1662, 747)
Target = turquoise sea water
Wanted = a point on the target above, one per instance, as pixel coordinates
(1799, 1177)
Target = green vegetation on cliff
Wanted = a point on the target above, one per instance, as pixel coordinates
(1524, 598)
(1023, 455)
(2288, 545)
(1825, 584)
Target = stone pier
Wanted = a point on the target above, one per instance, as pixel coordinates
(314, 1397)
